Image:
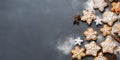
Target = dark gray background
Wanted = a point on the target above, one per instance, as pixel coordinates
(31, 29)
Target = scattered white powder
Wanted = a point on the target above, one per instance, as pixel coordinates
(66, 46)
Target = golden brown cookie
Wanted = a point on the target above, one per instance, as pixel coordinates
(108, 45)
(116, 29)
(100, 4)
(100, 57)
(78, 53)
(88, 16)
(109, 18)
(90, 34)
(92, 48)
(106, 30)
(116, 7)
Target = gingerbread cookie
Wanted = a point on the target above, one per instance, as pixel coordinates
(90, 34)
(109, 18)
(88, 16)
(116, 29)
(78, 53)
(92, 49)
(116, 7)
(100, 4)
(108, 45)
(100, 57)
(106, 30)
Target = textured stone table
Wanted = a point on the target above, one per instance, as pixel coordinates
(32, 29)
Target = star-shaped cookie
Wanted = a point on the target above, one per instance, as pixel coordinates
(116, 28)
(100, 4)
(88, 16)
(78, 53)
(109, 18)
(116, 7)
(100, 57)
(78, 41)
(90, 34)
(106, 30)
(98, 21)
(108, 45)
(92, 48)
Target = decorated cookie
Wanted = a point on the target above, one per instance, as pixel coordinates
(76, 19)
(92, 48)
(106, 30)
(78, 53)
(100, 57)
(108, 45)
(88, 16)
(90, 34)
(116, 28)
(116, 7)
(109, 18)
(100, 4)
(78, 41)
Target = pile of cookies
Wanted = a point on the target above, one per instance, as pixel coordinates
(111, 28)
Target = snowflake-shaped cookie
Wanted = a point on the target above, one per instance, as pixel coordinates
(78, 41)
(78, 53)
(116, 28)
(108, 45)
(106, 30)
(92, 49)
(100, 57)
(98, 21)
(90, 34)
(88, 16)
(116, 7)
(109, 18)
(100, 4)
